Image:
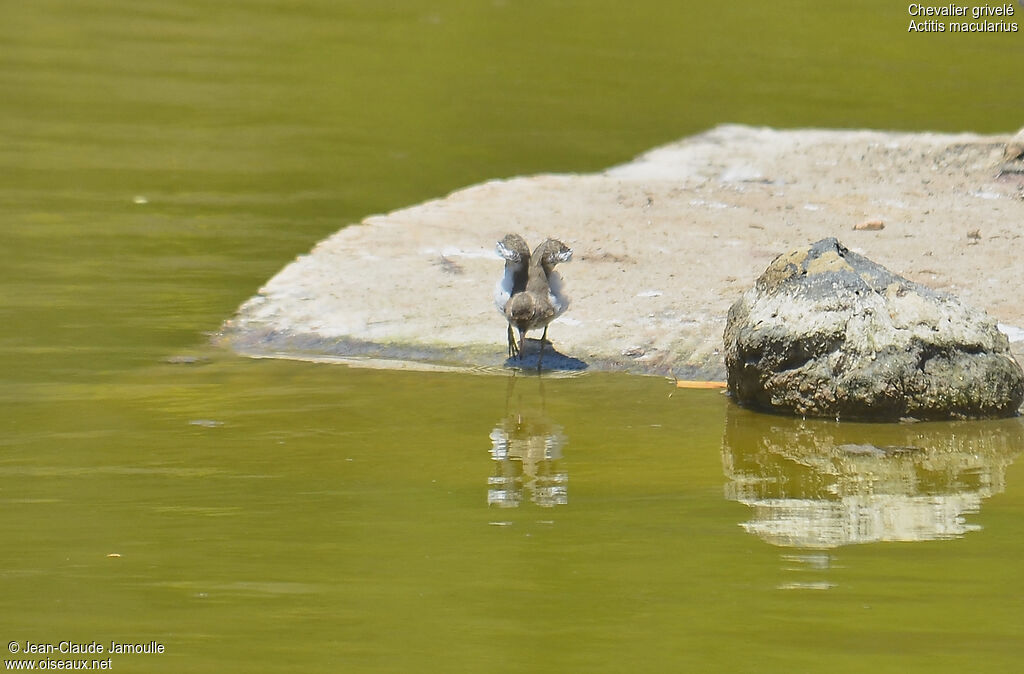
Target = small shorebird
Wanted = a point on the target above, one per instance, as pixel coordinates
(516, 252)
(542, 300)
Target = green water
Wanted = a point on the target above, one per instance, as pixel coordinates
(160, 160)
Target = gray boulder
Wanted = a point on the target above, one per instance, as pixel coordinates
(827, 332)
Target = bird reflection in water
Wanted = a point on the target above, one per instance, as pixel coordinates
(526, 448)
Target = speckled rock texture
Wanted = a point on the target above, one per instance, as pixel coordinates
(826, 332)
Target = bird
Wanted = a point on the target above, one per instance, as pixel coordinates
(543, 299)
(516, 252)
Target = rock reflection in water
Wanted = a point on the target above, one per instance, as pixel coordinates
(819, 484)
(526, 448)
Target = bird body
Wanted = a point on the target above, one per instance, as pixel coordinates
(529, 310)
(541, 300)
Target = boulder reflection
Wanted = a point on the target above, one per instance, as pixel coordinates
(818, 484)
(526, 450)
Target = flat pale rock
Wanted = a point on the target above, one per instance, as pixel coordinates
(663, 246)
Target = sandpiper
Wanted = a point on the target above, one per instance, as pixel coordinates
(543, 298)
(516, 252)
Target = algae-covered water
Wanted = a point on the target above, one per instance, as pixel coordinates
(161, 160)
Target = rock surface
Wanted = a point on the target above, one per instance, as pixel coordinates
(826, 332)
(663, 245)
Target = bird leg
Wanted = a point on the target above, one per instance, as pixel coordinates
(540, 356)
(522, 344)
(513, 349)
